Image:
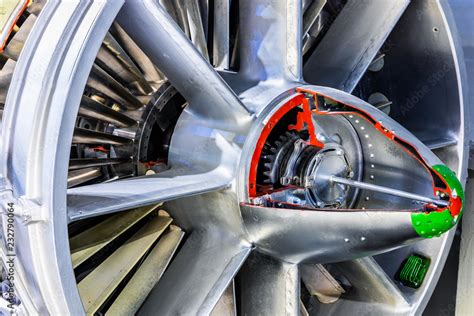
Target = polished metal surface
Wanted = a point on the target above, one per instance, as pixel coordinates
(119, 53)
(95, 109)
(390, 191)
(104, 83)
(94, 162)
(85, 136)
(77, 177)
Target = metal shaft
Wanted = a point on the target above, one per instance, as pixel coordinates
(381, 189)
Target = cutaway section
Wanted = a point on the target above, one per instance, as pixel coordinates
(381, 189)
(300, 163)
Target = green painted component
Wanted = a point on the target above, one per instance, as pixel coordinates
(453, 182)
(413, 271)
(433, 224)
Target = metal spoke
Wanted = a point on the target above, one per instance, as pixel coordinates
(198, 276)
(342, 234)
(115, 59)
(103, 83)
(81, 163)
(183, 65)
(311, 27)
(144, 63)
(97, 199)
(191, 20)
(352, 42)
(94, 109)
(269, 287)
(76, 177)
(276, 26)
(311, 14)
(86, 136)
(221, 34)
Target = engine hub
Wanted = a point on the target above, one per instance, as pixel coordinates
(308, 169)
(301, 155)
(327, 163)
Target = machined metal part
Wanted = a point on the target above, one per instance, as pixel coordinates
(112, 57)
(376, 188)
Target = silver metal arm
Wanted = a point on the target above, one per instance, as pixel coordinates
(381, 189)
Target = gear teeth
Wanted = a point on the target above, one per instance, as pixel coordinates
(270, 154)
